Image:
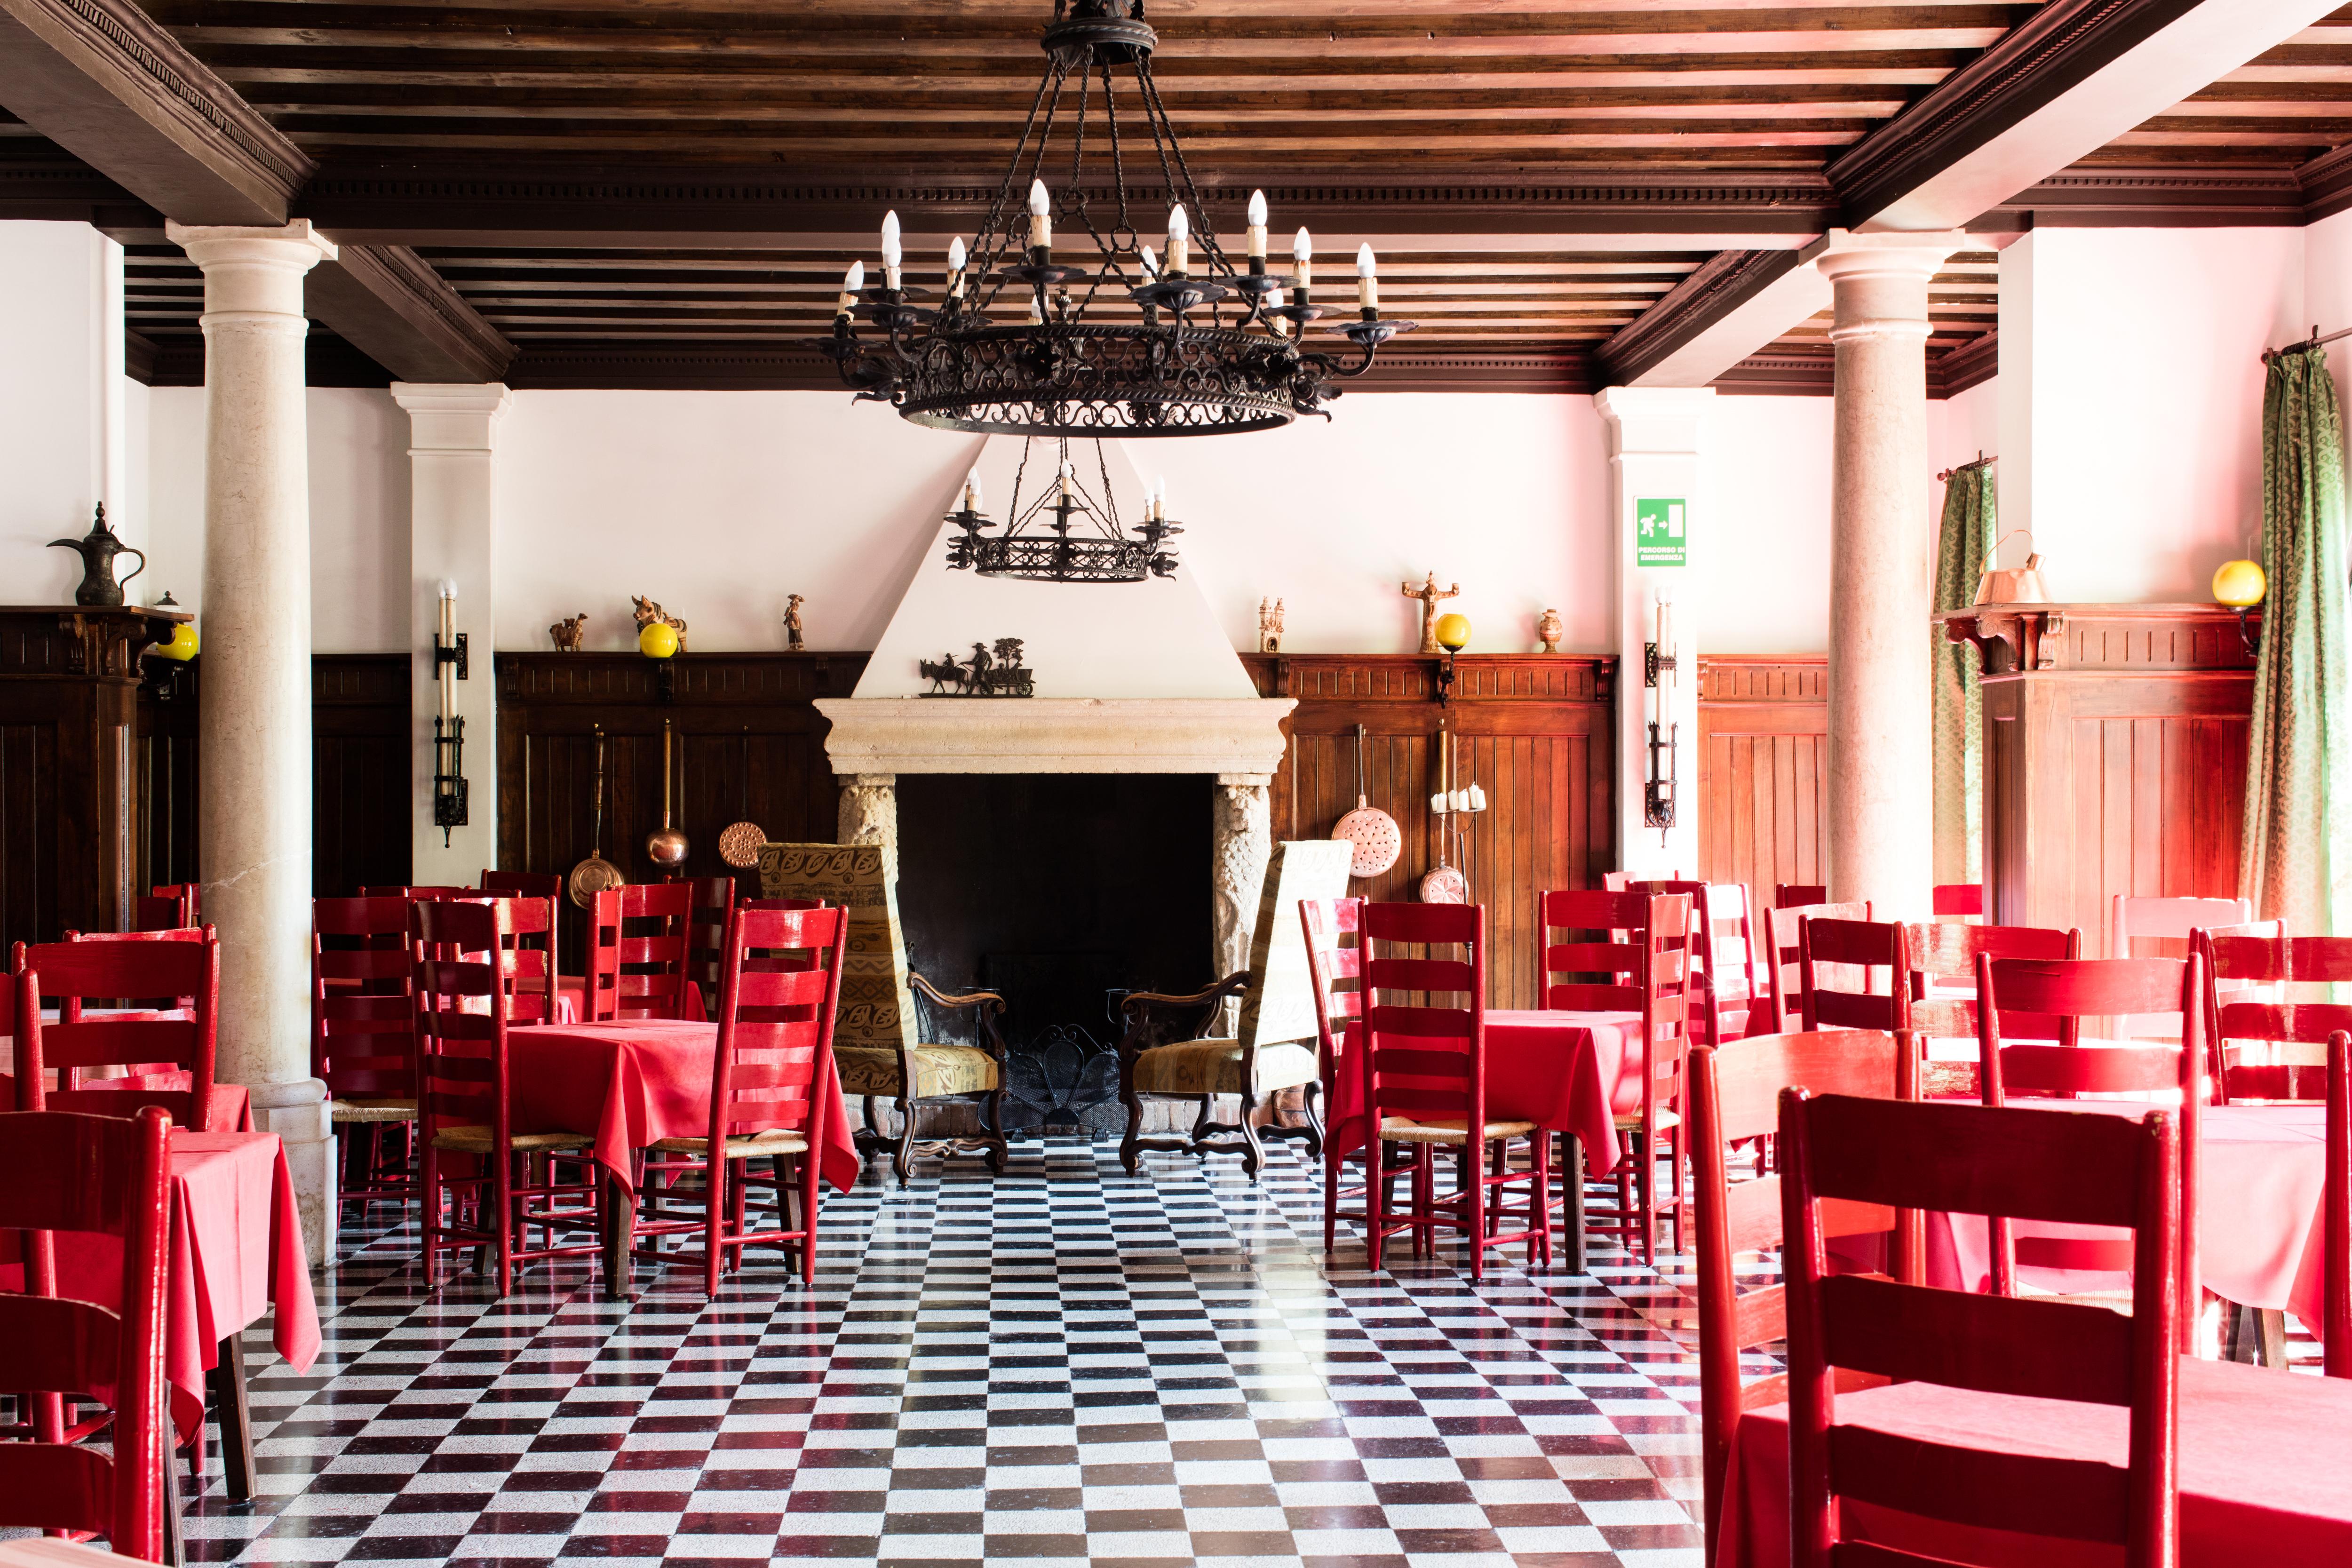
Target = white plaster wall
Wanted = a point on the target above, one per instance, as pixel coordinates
(359, 512)
(2134, 357)
(1759, 574)
(2327, 294)
(62, 407)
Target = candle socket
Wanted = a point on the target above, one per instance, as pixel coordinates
(1040, 256)
(890, 278)
(1257, 265)
(1371, 312)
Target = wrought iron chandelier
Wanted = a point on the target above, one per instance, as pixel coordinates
(1068, 534)
(1118, 342)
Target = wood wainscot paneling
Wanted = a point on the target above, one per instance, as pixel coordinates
(360, 774)
(68, 712)
(1535, 731)
(749, 739)
(1763, 756)
(2116, 743)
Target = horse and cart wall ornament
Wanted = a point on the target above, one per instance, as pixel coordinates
(994, 671)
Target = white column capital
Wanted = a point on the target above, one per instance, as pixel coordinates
(452, 416)
(252, 272)
(1842, 253)
(1666, 419)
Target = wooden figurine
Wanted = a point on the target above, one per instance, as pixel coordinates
(1429, 594)
(1550, 630)
(1269, 625)
(570, 633)
(647, 613)
(793, 623)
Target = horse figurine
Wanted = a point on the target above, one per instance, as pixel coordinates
(647, 613)
(940, 674)
(570, 633)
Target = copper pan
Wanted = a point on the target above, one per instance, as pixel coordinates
(1374, 833)
(595, 874)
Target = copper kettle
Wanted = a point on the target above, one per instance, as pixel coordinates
(2012, 585)
(98, 548)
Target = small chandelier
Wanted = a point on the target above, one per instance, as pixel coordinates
(1068, 534)
(1117, 342)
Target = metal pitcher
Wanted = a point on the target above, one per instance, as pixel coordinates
(98, 548)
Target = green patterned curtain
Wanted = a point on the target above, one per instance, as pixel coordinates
(2296, 860)
(1960, 544)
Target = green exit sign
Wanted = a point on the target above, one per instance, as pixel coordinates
(1659, 536)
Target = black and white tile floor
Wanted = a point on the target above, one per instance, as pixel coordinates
(1062, 1365)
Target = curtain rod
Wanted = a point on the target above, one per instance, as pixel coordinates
(1982, 462)
(2311, 342)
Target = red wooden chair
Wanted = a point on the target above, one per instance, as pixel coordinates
(1724, 957)
(1641, 967)
(2044, 1003)
(1956, 900)
(1871, 953)
(532, 885)
(1735, 1098)
(363, 1039)
(2258, 1043)
(407, 890)
(171, 907)
(157, 1049)
(637, 945)
(2335, 1216)
(1424, 1068)
(2049, 1166)
(775, 1028)
(2162, 928)
(463, 1099)
(705, 932)
(1335, 971)
(1790, 895)
(105, 1175)
(1783, 1008)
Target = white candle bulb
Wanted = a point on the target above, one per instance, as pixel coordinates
(1036, 311)
(955, 267)
(1159, 506)
(1368, 287)
(1179, 239)
(449, 588)
(851, 282)
(890, 249)
(1151, 263)
(1041, 215)
(971, 492)
(1302, 260)
(1257, 225)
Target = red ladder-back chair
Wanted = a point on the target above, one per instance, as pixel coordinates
(165, 907)
(363, 1041)
(2258, 1041)
(1726, 985)
(1641, 967)
(2050, 1166)
(1735, 1098)
(1783, 1008)
(776, 1031)
(1424, 1070)
(2044, 1005)
(108, 1175)
(158, 1048)
(464, 1093)
(1792, 895)
(1335, 970)
(705, 932)
(637, 945)
(1868, 952)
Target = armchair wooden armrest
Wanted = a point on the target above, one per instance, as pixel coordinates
(986, 1006)
(1147, 1013)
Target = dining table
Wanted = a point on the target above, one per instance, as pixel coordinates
(2264, 1456)
(1568, 1072)
(631, 1083)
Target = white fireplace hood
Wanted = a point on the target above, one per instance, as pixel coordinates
(1129, 677)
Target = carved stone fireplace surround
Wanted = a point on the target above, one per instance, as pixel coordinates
(1240, 740)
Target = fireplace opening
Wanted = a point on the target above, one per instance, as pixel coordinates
(1063, 892)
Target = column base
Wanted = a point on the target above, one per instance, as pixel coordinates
(297, 1112)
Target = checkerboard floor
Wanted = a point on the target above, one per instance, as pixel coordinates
(1064, 1364)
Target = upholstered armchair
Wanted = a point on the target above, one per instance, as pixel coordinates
(920, 1078)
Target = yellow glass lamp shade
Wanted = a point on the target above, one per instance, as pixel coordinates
(1452, 632)
(181, 644)
(657, 640)
(2239, 583)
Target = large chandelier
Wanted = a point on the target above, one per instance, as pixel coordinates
(1118, 342)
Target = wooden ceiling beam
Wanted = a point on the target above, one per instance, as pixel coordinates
(103, 81)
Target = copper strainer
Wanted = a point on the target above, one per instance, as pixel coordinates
(1374, 833)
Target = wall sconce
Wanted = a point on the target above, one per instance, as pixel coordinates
(169, 657)
(1453, 634)
(658, 641)
(449, 666)
(1658, 666)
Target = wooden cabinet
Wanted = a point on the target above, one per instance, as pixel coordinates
(68, 777)
(1763, 769)
(2115, 741)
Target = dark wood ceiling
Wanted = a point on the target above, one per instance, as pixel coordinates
(1483, 91)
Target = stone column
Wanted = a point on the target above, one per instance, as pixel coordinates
(1656, 466)
(255, 733)
(453, 430)
(1881, 845)
(1241, 843)
(869, 810)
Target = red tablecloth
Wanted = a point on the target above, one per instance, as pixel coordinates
(236, 1251)
(2264, 1461)
(1569, 1072)
(2260, 1188)
(632, 1084)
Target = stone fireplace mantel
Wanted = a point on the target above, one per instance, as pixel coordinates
(1238, 739)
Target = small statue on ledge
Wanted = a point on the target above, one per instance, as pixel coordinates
(1429, 594)
(647, 613)
(1550, 630)
(792, 621)
(570, 633)
(986, 674)
(1269, 625)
